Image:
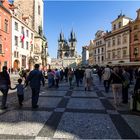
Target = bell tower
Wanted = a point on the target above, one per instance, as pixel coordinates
(72, 44)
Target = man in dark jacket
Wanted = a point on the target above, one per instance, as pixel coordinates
(35, 77)
(4, 85)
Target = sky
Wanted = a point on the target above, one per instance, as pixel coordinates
(84, 17)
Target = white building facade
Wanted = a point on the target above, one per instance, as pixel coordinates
(22, 44)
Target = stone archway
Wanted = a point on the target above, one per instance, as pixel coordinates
(16, 64)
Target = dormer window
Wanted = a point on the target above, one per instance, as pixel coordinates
(120, 24)
(114, 27)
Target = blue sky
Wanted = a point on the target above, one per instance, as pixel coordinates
(85, 17)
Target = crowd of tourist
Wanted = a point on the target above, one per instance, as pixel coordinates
(119, 78)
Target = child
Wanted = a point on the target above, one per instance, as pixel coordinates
(20, 91)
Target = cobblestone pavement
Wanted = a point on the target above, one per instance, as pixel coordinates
(71, 114)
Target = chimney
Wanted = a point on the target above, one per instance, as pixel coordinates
(138, 14)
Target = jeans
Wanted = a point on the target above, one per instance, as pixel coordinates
(117, 92)
(35, 96)
(20, 99)
(106, 85)
(4, 91)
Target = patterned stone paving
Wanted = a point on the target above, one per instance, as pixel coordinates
(65, 113)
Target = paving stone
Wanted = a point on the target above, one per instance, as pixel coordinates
(53, 93)
(51, 102)
(59, 110)
(26, 123)
(84, 94)
(112, 112)
(134, 122)
(86, 126)
(79, 103)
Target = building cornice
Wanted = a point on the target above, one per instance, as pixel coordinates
(114, 33)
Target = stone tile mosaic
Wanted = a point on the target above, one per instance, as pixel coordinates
(134, 122)
(23, 122)
(79, 103)
(53, 93)
(86, 126)
(84, 94)
(59, 110)
(51, 102)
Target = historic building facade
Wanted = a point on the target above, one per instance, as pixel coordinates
(99, 48)
(67, 50)
(35, 8)
(135, 38)
(117, 41)
(22, 41)
(91, 53)
(85, 55)
(5, 34)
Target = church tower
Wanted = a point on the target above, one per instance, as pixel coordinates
(72, 44)
(66, 49)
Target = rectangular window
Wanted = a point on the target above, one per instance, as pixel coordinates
(113, 54)
(0, 48)
(98, 50)
(31, 47)
(15, 55)
(16, 41)
(24, 61)
(135, 37)
(31, 35)
(119, 41)
(22, 44)
(124, 39)
(16, 26)
(113, 42)
(119, 53)
(109, 56)
(6, 25)
(27, 45)
(95, 51)
(124, 53)
(22, 29)
(27, 33)
(38, 9)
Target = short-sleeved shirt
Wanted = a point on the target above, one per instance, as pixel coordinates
(20, 89)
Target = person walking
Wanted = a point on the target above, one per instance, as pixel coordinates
(20, 91)
(77, 76)
(35, 78)
(88, 78)
(116, 80)
(126, 83)
(136, 95)
(5, 84)
(106, 77)
(57, 77)
(70, 76)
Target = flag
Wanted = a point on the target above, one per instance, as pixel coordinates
(22, 36)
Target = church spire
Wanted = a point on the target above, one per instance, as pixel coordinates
(72, 36)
